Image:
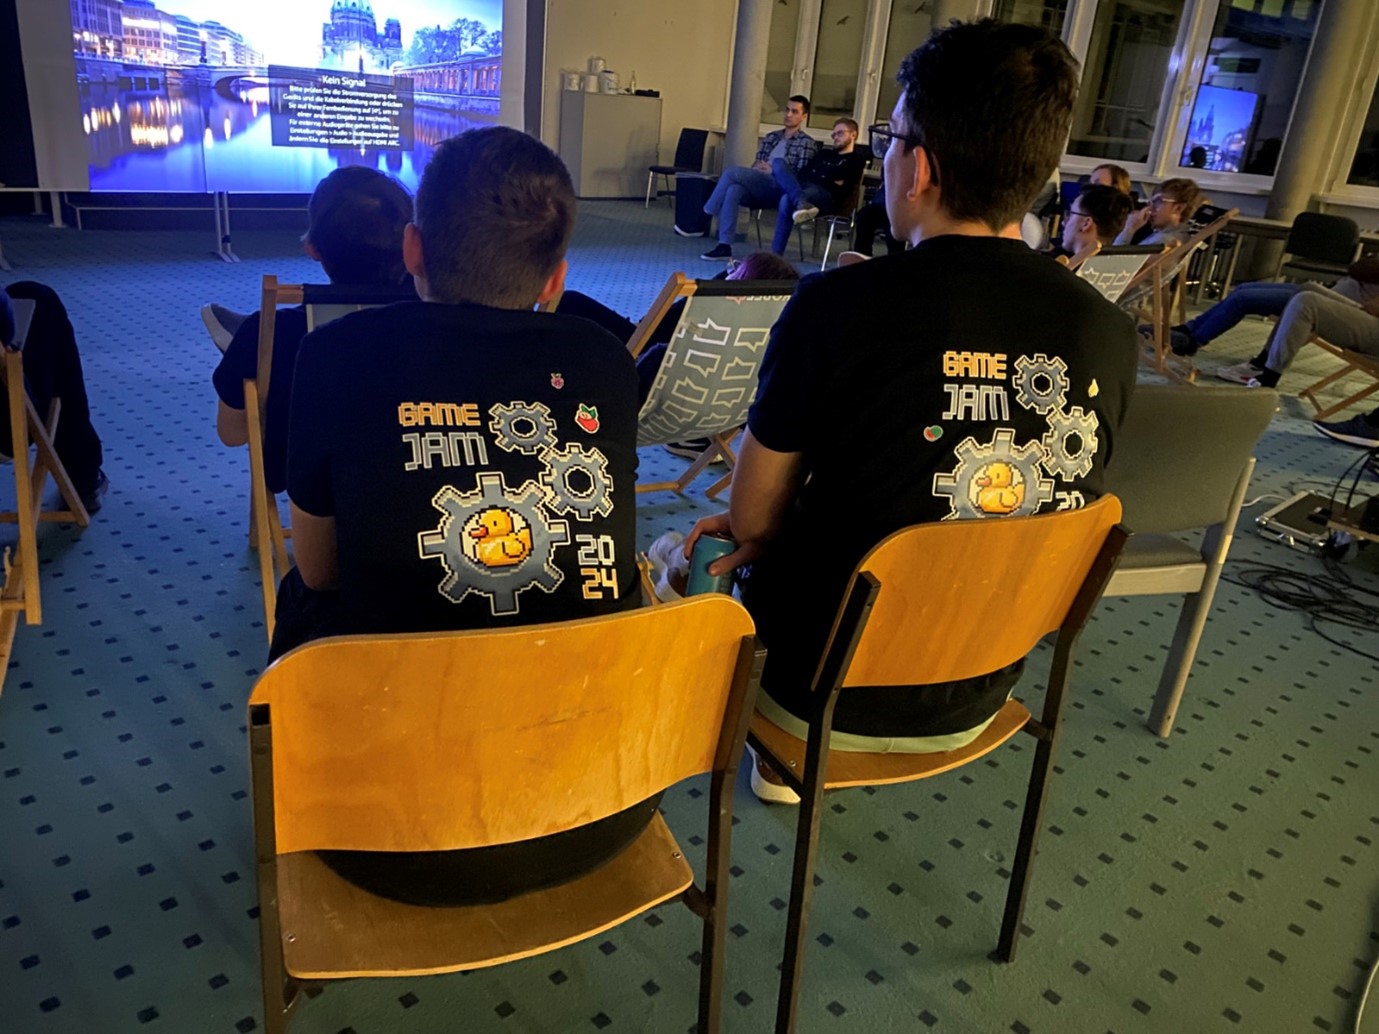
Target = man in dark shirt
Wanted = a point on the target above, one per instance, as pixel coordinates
(967, 377)
(465, 462)
(355, 220)
(823, 185)
(1096, 215)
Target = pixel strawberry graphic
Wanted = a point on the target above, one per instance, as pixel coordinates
(587, 417)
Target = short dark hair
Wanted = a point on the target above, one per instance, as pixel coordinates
(495, 211)
(764, 265)
(355, 220)
(1106, 206)
(802, 101)
(992, 104)
(843, 120)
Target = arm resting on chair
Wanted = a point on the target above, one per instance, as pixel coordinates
(765, 483)
(313, 547)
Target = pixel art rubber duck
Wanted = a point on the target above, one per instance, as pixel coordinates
(998, 494)
(497, 542)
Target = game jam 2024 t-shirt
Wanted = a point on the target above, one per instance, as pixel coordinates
(480, 465)
(968, 377)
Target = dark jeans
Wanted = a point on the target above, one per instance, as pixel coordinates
(867, 223)
(52, 370)
(795, 195)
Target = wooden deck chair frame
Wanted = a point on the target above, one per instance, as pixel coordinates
(1167, 296)
(1355, 362)
(721, 445)
(21, 593)
(330, 731)
(1077, 549)
(265, 520)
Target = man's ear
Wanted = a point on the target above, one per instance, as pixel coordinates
(310, 249)
(925, 174)
(555, 283)
(412, 256)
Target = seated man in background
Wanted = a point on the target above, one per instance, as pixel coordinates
(465, 462)
(1164, 219)
(1308, 314)
(52, 370)
(871, 219)
(755, 187)
(355, 220)
(824, 185)
(1094, 218)
(939, 387)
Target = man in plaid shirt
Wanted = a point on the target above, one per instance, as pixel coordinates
(756, 187)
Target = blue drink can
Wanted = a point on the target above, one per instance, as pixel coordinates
(707, 549)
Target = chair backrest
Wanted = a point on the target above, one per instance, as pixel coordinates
(1324, 237)
(708, 376)
(960, 599)
(456, 740)
(689, 149)
(1179, 454)
(1111, 270)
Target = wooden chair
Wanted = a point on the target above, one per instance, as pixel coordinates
(21, 593)
(708, 377)
(1355, 362)
(1182, 462)
(323, 303)
(462, 740)
(918, 611)
(1117, 271)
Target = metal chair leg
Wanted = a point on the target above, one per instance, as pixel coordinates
(650, 179)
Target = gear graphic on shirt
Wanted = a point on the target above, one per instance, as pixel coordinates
(494, 542)
(1058, 458)
(1041, 383)
(562, 496)
(997, 479)
(509, 424)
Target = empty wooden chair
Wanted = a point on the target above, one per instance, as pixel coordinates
(919, 611)
(463, 740)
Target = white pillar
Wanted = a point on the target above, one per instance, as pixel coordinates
(748, 81)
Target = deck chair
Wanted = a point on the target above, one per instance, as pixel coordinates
(323, 302)
(708, 377)
(1037, 575)
(1116, 269)
(1182, 463)
(354, 744)
(20, 593)
(1355, 362)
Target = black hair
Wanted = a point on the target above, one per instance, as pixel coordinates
(1107, 207)
(355, 220)
(802, 101)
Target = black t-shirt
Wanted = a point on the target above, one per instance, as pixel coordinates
(828, 166)
(240, 363)
(967, 377)
(480, 465)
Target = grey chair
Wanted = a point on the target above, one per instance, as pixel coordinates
(1319, 247)
(1182, 462)
(689, 157)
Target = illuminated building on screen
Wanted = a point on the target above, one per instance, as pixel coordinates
(351, 40)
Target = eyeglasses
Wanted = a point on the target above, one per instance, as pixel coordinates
(1081, 215)
(881, 135)
(1160, 199)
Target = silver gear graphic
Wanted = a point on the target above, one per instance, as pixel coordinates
(1061, 462)
(972, 457)
(463, 575)
(561, 496)
(508, 436)
(1041, 383)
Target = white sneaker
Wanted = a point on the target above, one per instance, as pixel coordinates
(668, 562)
(687, 233)
(805, 214)
(1240, 373)
(767, 791)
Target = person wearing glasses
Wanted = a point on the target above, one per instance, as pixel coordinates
(939, 383)
(1094, 219)
(824, 185)
(756, 187)
(1165, 219)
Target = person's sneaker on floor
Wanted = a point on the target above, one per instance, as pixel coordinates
(803, 215)
(688, 450)
(687, 233)
(767, 785)
(222, 323)
(1182, 342)
(1355, 431)
(669, 567)
(718, 253)
(1240, 373)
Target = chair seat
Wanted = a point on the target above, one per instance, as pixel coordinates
(1157, 551)
(333, 929)
(1315, 266)
(670, 170)
(849, 768)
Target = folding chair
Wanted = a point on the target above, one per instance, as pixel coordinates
(20, 593)
(1117, 269)
(323, 303)
(1355, 362)
(708, 377)
(460, 740)
(1182, 462)
(919, 611)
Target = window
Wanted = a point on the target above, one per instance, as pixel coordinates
(1047, 14)
(1364, 169)
(842, 24)
(908, 28)
(1126, 66)
(780, 60)
(1251, 77)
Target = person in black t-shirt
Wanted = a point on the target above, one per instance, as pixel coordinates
(355, 220)
(968, 377)
(1096, 215)
(464, 462)
(822, 185)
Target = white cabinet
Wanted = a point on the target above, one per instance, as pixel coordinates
(608, 140)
